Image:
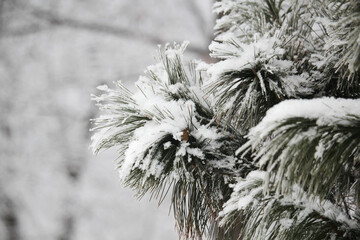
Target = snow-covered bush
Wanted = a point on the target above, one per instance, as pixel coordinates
(264, 143)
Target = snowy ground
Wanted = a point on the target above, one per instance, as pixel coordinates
(54, 54)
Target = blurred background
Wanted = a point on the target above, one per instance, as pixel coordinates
(53, 55)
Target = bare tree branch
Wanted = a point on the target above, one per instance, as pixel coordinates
(2, 2)
(201, 23)
(62, 21)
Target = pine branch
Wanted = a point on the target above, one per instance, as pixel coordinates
(182, 148)
(344, 37)
(317, 150)
(259, 213)
(245, 93)
(275, 218)
(298, 175)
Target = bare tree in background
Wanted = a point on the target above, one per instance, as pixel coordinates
(48, 55)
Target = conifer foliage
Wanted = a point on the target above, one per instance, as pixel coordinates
(262, 144)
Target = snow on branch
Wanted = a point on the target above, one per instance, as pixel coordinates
(326, 111)
(296, 215)
(313, 143)
(297, 175)
(249, 82)
(168, 138)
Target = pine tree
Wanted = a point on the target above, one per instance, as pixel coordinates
(262, 144)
